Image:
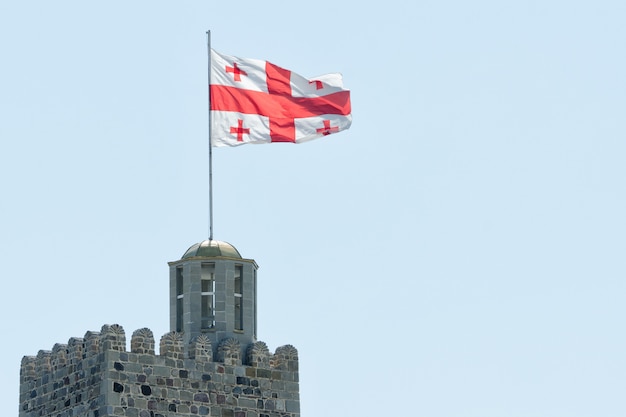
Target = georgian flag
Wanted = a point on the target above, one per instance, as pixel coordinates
(254, 101)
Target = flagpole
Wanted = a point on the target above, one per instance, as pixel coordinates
(208, 34)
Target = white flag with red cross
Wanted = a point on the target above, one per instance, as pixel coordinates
(254, 101)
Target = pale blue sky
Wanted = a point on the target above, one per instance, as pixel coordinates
(459, 252)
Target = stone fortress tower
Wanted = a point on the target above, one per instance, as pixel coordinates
(209, 364)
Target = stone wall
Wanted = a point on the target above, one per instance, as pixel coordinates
(96, 377)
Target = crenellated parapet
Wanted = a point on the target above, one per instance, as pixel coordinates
(142, 341)
(258, 355)
(81, 377)
(43, 364)
(28, 369)
(92, 343)
(172, 345)
(229, 351)
(201, 349)
(113, 337)
(58, 357)
(76, 350)
(286, 358)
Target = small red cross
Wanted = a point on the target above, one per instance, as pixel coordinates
(318, 84)
(239, 130)
(237, 71)
(326, 130)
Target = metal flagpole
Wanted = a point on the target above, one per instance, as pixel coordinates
(208, 34)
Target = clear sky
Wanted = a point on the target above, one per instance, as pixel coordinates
(460, 251)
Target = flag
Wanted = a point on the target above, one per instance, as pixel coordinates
(255, 101)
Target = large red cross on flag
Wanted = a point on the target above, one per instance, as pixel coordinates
(254, 101)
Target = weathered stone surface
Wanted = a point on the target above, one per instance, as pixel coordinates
(201, 349)
(229, 351)
(140, 384)
(112, 337)
(142, 341)
(258, 355)
(172, 345)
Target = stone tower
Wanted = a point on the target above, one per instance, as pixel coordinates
(210, 362)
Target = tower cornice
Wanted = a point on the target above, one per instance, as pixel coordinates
(213, 258)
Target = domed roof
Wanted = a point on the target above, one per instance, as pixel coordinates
(211, 249)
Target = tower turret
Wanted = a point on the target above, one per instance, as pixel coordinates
(213, 293)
